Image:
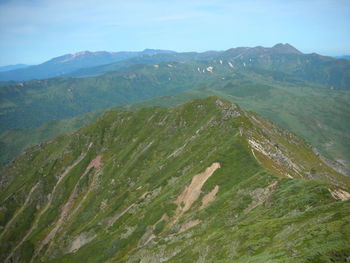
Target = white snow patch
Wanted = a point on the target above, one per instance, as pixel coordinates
(230, 64)
(210, 69)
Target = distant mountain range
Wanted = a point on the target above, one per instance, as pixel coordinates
(305, 93)
(343, 57)
(70, 62)
(13, 67)
(328, 71)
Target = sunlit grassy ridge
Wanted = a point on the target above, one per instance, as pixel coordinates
(274, 201)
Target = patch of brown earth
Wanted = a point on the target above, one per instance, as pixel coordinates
(191, 192)
(95, 163)
(209, 197)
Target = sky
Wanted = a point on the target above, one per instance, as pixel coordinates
(33, 31)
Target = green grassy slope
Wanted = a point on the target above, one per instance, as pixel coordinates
(318, 114)
(31, 104)
(14, 142)
(108, 192)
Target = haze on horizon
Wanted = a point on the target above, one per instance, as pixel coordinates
(37, 30)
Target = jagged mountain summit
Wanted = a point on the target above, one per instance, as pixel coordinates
(202, 182)
(285, 48)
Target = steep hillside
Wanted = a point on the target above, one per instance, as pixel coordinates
(30, 104)
(202, 182)
(14, 142)
(322, 117)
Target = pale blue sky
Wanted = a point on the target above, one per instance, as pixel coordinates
(32, 31)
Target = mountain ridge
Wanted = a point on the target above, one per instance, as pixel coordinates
(61, 65)
(332, 72)
(12, 67)
(150, 185)
(281, 57)
(315, 112)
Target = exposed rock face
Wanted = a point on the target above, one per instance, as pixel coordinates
(229, 110)
(340, 194)
(275, 154)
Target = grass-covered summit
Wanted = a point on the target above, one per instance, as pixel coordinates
(201, 182)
